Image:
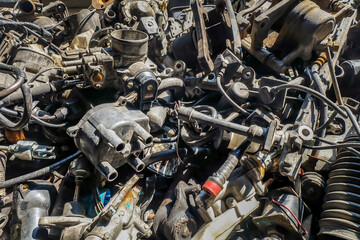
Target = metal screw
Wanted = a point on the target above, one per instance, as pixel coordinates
(130, 84)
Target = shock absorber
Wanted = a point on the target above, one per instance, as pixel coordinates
(340, 217)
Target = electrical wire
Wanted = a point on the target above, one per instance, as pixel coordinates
(29, 26)
(27, 103)
(36, 119)
(53, 46)
(165, 140)
(84, 21)
(352, 119)
(13, 10)
(52, 27)
(296, 219)
(228, 98)
(47, 124)
(351, 116)
(333, 77)
(207, 97)
(327, 123)
(313, 93)
(41, 72)
(38, 173)
(20, 80)
(354, 151)
(335, 146)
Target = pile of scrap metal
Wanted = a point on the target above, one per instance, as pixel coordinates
(180, 119)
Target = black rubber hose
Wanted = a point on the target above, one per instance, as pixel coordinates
(36, 119)
(38, 173)
(25, 116)
(165, 155)
(20, 79)
(314, 75)
(323, 107)
(334, 146)
(174, 84)
(313, 93)
(221, 176)
(84, 21)
(225, 95)
(43, 32)
(173, 153)
(48, 124)
(43, 71)
(352, 119)
(351, 116)
(327, 123)
(36, 92)
(165, 140)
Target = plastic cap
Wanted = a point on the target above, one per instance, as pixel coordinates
(212, 188)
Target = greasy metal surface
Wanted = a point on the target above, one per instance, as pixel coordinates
(170, 119)
(203, 56)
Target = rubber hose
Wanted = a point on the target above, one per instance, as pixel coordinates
(175, 84)
(221, 176)
(36, 92)
(25, 117)
(43, 32)
(38, 173)
(173, 153)
(20, 79)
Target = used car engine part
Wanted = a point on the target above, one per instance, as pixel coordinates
(179, 119)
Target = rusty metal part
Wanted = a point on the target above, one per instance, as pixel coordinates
(101, 4)
(203, 54)
(264, 22)
(185, 119)
(305, 26)
(30, 6)
(333, 77)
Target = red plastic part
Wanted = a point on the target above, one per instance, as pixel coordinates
(212, 188)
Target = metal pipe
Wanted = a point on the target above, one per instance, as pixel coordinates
(235, 28)
(333, 77)
(189, 114)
